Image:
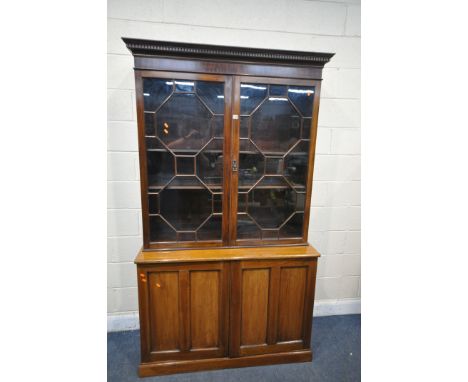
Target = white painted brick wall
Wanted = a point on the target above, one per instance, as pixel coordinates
(329, 26)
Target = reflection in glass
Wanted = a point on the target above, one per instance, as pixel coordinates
(184, 86)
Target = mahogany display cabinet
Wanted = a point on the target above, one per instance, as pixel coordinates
(227, 137)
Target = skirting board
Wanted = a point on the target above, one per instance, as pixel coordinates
(129, 321)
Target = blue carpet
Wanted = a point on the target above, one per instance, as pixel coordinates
(336, 343)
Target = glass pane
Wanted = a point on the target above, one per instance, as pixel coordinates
(278, 90)
(217, 203)
(269, 234)
(185, 165)
(155, 91)
(183, 122)
(160, 165)
(306, 127)
(184, 126)
(274, 165)
(273, 160)
(271, 206)
(246, 228)
(185, 209)
(293, 228)
(211, 230)
(212, 94)
(184, 86)
(149, 124)
(153, 201)
(210, 164)
(295, 164)
(251, 163)
(303, 98)
(160, 230)
(242, 201)
(217, 123)
(244, 127)
(251, 96)
(276, 126)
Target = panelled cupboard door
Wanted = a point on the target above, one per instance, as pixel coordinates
(273, 146)
(184, 311)
(184, 129)
(271, 306)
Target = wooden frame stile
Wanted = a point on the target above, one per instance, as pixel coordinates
(234, 156)
(310, 175)
(216, 303)
(142, 156)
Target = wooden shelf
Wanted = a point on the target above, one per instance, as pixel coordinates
(153, 188)
(211, 151)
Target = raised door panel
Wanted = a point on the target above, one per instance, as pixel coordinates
(291, 303)
(205, 309)
(271, 306)
(184, 314)
(164, 311)
(255, 289)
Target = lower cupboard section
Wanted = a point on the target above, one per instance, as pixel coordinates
(204, 315)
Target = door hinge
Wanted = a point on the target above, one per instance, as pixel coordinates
(234, 165)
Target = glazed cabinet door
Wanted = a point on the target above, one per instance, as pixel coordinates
(273, 146)
(183, 311)
(271, 306)
(183, 121)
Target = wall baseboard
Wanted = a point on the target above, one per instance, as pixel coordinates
(122, 321)
(337, 307)
(129, 321)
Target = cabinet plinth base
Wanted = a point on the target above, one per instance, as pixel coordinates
(172, 367)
